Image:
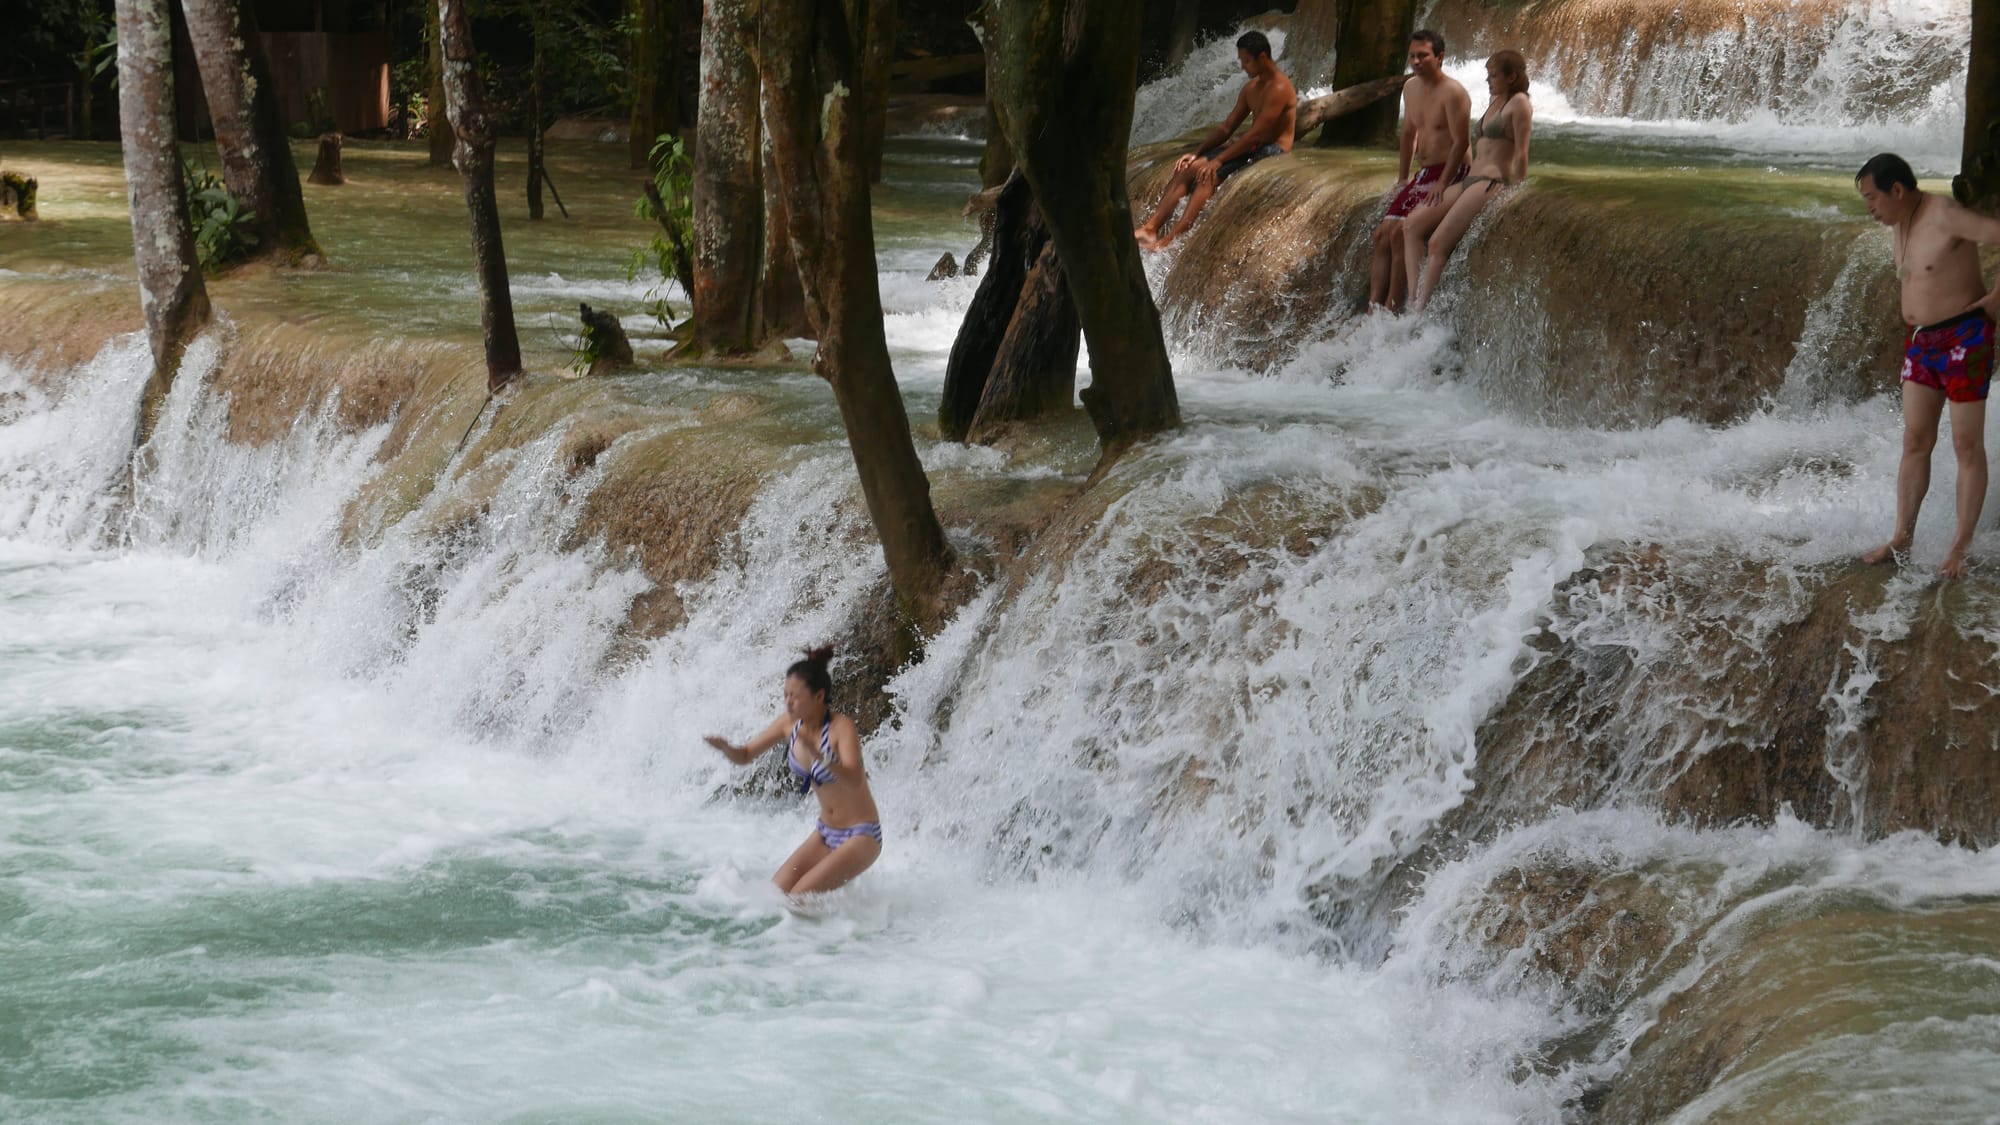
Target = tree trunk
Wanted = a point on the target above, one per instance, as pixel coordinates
(1978, 182)
(728, 196)
(171, 289)
(1373, 42)
(997, 162)
(250, 133)
(535, 155)
(878, 57)
(1035, 373)
(438, 130)
(86, 86)
(980, 334)
(472, 152)
(1180, 31)
(811, 53)
(1063, 74)
(656, 103)
(781, 298)
(326, 166)
(1310, 44)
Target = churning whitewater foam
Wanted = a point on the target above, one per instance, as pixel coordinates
(306, 827)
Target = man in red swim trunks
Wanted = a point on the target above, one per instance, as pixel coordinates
(1437, 114)
(1949, 355)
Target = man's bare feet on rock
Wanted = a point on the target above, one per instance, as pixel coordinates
(1146, 239)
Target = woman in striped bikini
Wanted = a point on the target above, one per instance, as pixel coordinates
(848, 837)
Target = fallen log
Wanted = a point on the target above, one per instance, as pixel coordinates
(1318, 111)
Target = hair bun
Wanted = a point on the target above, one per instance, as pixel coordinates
(820, 655)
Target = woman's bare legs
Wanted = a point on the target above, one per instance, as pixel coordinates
(1445, 239)
(840, 866)
(1418, 227)
(803, 860)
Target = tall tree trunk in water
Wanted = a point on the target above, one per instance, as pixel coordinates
(535, 154)
(1309, 46)
(997, 162)
(86, 84)
(472, 152)
(439, 129)
(1063, 75)
(249, 123)
(811, 71)
(878, 57)
(170, 285)
(1373, 42)
(1180, 33)
(1034, 375)
(1978, 182)
(977, 344)
(781, 298)
(656, 103)
(728, 196)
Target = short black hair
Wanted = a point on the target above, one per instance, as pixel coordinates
(1886, 170)
(1254, 42)
(1427, 35)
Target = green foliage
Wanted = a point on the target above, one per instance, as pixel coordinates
(671, 253)
(409, 98)
(222, 234)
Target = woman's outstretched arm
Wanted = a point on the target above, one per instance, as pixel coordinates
(745, 754)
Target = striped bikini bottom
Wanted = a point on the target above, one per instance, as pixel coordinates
(834, 837)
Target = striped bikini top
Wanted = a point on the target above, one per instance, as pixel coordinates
(821, 772)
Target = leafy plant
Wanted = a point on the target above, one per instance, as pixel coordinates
(222, 231)
(669, 205)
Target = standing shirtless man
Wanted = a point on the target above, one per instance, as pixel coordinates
(1949, 356)
(1437, 115)
(1272, 105)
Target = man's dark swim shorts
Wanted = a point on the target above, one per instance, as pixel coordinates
(1954, 356)
(1241, 162)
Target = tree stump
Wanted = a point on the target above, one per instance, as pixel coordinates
(18, 192)
(604, 341)
(326, 169)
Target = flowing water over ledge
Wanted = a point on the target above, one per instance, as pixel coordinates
(1320, 764)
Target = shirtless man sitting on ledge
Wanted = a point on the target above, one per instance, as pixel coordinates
(1271, 103)
(1949, 353)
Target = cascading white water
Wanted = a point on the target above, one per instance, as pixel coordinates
(341, 829)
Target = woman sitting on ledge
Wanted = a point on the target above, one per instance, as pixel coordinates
(1499, 160)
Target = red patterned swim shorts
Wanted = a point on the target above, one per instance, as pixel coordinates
(1954, 356)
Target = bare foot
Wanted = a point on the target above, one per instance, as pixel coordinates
(1146, 239)
(1955, 565)
(1162, 242)
(1885, 552)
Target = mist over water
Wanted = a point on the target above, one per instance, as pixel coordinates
(317, 826)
